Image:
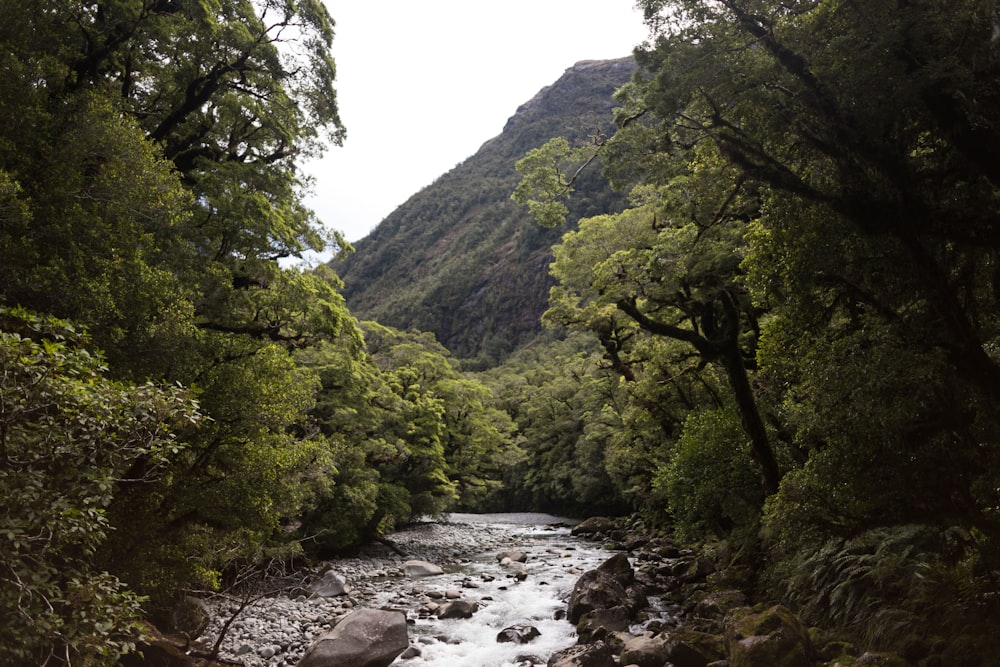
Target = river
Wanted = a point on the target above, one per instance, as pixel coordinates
(275, 631)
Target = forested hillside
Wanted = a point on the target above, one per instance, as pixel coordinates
(462, 261)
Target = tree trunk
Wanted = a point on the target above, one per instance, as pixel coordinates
(753, 425)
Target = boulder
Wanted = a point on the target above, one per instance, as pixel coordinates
(602, 588)
(330, 585)
(364, 638)
(646, 651)
(691, 648)
(595, 590)
(597, 623)
(457, 609)
(619, 567)
(421, 568)
(515, 556)
(597, 654)
(593, 525)
(772, 638)
(518, 634)
(190, 617)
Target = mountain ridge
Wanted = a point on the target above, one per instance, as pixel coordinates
(458, 258)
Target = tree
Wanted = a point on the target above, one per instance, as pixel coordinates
(70, 440)
(882, 114)
(148, 188)
(670, 265)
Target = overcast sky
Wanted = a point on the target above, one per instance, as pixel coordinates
(422, 84)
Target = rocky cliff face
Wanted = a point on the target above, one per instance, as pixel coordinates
(459, 258)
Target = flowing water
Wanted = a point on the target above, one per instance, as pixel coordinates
(275, 631)
(555, 561)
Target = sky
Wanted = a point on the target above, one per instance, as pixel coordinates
(422, 84)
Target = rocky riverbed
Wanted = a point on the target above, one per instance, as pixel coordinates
(606, 594)
(531, 587)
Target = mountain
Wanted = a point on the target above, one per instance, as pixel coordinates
(459, 258)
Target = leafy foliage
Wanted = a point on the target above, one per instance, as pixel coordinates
(708, 482)
(70, 440)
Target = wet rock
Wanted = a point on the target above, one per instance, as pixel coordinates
(619, 567)
(595, 590)
(365, 638)
(602, 588)
(597, 654)
(410, 653)
(518, 634)
(598, 623)
(421, 568)
(515, 556)
(457, 609)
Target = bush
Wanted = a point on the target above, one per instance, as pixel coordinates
(68, 439)
(710, 481)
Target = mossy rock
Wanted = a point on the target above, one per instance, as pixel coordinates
(771, 638)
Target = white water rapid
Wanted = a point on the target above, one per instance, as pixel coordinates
(555, 561)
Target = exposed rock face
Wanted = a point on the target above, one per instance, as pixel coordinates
(365, 638)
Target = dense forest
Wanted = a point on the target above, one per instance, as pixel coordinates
(784, 347)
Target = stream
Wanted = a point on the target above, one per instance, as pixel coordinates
(555, 562)
(274, 632)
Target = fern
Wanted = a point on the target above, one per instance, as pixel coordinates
(885, 583)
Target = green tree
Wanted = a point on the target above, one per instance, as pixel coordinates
(670, 266)
(70, 441)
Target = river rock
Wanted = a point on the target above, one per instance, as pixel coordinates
(692, 648)
(515, 556)
(773, 638)
(594, 525)
(602, 588)
(330, 585)
(597, 654)
(457, 609)
(619, 567)
(421, 568)
(365, 638)
(646, 650)
(518, 634)
(597, 623)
